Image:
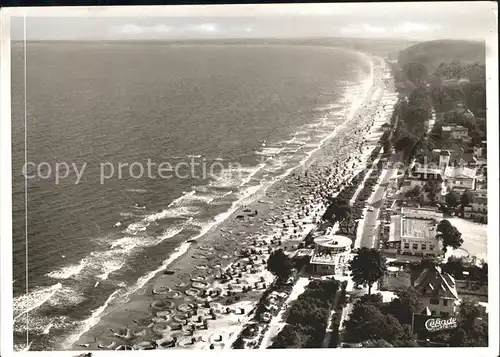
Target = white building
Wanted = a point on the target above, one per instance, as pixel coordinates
(459, 178)
(456, 132)
(413, 232)
(331, 253)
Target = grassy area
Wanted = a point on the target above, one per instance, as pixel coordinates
(307, 317)
(393, 281)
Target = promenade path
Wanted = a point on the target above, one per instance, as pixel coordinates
(368, 228)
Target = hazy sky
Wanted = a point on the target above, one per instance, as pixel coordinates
(416, 21)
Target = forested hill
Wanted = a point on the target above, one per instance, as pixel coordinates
(431, 54)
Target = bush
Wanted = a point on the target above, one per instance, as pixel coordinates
(307, 318)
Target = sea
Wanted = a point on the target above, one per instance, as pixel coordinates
(123, 151)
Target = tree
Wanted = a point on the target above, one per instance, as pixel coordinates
(473, 326)
(406, 144)
(466, 199)
(280, 264)
(367, 266)
(414, 192)
(367, 322)
(455, 266)
(291, 336)
(468, 312)
(436, 133)
(373, 299)
(340, 211)
(387, 146)
(337, 211)
(361, 315)
(449, 235)
(415, 72)
(405, 305)
(451, 199)
(405, 338)
(433, 189)
(476, 73)
(483, 272)
(348, 225)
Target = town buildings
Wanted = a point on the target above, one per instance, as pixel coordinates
(420, 176)
(478, 208)
(456, 132)
(480, 151)
(459, 178)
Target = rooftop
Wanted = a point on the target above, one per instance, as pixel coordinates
(427, 212)
(459, 172)
(433, 282)
(454, 128)
(395, 230)
(335, 241)
(417, 228)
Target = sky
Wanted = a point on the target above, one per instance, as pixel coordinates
(412, 21)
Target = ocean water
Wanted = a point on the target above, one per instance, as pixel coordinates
(228, 118)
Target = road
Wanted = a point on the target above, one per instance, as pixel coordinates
(369, 225)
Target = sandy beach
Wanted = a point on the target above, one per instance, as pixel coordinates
(213, 284)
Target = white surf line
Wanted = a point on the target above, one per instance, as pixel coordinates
(94, 318)
(51, 291)
(184, 247)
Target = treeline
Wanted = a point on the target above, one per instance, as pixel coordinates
(308, 316)
(449, 89)
(410, 136)
(372, 319)
(471, 93)
(426, 90)
(473, 72)
(466, 267)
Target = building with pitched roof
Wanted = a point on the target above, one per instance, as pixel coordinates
(437, 291)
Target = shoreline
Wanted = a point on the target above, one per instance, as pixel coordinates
(185, 258)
